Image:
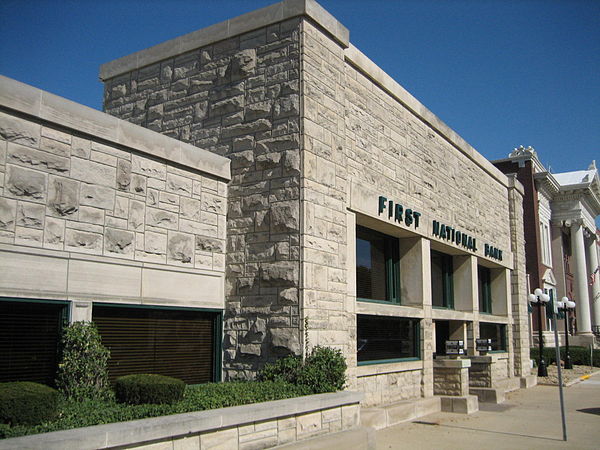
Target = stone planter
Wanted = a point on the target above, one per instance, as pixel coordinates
(255, 426)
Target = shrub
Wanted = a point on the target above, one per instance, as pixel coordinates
(323, 370)
(138, 389)
(284, 369)
(74, 414)
(24, 402)
(579, 355)
(82, 372)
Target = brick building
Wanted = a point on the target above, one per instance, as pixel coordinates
(561, 243)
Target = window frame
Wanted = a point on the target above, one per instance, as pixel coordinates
(447, 280)
(484, 278)
(392, 267)
(416, 339)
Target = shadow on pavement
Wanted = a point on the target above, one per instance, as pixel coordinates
(419, 422)
(590, 411)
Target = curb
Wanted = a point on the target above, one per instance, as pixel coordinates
(572, 382)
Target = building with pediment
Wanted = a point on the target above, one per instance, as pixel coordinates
(561, 238)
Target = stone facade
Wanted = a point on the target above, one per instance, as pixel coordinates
(80, 206)
(316, 132)
(488, 371)
(240, 97)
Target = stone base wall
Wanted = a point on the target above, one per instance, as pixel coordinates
(390, 387)
(262, 425)
(480, 375)
(488, 371)
(451, 377)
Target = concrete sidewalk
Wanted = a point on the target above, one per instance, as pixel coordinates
(528, 419)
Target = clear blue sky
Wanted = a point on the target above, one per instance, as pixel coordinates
(499, 72)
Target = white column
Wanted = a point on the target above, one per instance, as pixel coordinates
(595, 287)
(584, 324)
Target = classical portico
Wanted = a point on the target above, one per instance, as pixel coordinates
(575, 208)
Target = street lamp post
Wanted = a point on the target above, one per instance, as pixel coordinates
(539, 298)
(565, 305)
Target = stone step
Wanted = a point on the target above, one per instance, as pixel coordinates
(488, 395)
(467, 404)
(528, 381)
(362, 438)
(404, 411)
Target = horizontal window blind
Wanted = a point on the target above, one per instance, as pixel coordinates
(29, 341)
(176, 343)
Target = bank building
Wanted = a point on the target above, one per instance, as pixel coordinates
(254, 188)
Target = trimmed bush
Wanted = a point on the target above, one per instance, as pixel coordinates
(285, 369)
(144, 388)
(323, 370)
(74, 414)
(27, 403)
(83, 370)
(579, 355)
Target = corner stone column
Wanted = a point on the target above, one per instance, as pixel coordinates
(595, 287)
(584, 324)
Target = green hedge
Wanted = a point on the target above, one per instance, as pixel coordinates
(75, 414)
(579, 355)
(138, 389)
(24, 402)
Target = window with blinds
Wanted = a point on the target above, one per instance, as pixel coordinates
(29, 340)
(179, 343)
(377, 266)
(386, 339)
(442, 286)
(485, 289)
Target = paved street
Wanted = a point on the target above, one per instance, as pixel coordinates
(528, 419)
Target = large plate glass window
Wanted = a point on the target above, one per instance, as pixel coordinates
(442, 286)
(485, 289)
(383, 339)
(496, 332)
(377, 266)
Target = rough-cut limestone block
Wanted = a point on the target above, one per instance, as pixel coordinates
(180, 248)
(285, 339)
(54, 233)
(207, 244)
(123, 174)
(63, 196)
(119, 241)
(93, 172)
(8, 213)
(97, 196)
(160, 218)
(30, 215)
(281, 273)
(14, 129)
(179, 185)
(25, 183)
(285, 216)
(242, 64)
(83, 241)
(36, 159)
